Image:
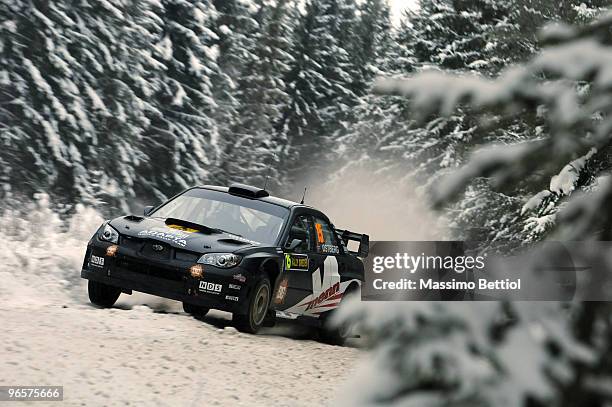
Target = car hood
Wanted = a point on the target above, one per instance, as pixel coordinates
(180, 235)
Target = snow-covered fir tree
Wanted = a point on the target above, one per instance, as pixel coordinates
(80, 79)
(236, 27)
(188, 51)
(319, 84)
(455, 34)
(572, 353)
(258, 148)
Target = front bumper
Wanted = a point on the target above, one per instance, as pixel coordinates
(169, 278)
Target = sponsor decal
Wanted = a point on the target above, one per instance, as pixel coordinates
(330, 249)
(183, 228)
(296, 261)
(210, 288)
(96, 261)
(157, 247)
(196, 271)
(281, 293)
(320, 235)
(240, 277)
(326, 290)
(177, 237)
(332, 293)
(231, 298)
(234, 286)
(111, 251)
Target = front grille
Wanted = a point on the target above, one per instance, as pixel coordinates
(155, 250)
(150, 270)
(144, 247)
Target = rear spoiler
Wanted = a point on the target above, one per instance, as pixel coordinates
(364, 242)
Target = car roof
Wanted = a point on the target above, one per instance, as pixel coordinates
(270, 199)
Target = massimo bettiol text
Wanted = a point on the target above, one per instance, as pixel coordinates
(462, 271)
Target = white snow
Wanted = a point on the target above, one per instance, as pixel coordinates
(540, 225)
(535, 201)
(212, 52)
(225, 30)
(164, 47)
(565, 182)
(179, 96)
(194, 63)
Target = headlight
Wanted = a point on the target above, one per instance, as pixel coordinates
(109, 234)
(223, 260)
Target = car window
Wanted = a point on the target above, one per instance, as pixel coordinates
(326, 240)
(303, 225)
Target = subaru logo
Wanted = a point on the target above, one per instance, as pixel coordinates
(157, 247)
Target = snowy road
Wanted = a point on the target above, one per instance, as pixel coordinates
(157, 355)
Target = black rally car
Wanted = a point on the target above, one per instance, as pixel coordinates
(235, 249)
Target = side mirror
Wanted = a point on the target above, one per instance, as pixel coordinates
(294, 244)
(147, 210)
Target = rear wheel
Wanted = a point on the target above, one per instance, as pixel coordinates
(102, 295)
(257, 310)
(334, 334)
(195, 310)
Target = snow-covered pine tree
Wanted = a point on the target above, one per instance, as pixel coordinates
(504, 34)
(319, 85)
(569, 356)
(114, 43)
(258, 147)
(372, 43)
(377, 50)
(516, 42)
(455, 34)
(76, 87)
(236, 26)
(516, 38)
(450, 35)
(189, 52)
(422, 40)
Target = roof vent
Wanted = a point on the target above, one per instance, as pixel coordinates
(247, 191)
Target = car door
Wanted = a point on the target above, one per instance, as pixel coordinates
(295, 282)
(329, 263)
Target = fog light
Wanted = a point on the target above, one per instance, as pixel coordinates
(112, 250)
(196, 271)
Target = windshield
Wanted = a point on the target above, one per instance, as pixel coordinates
(255, 220)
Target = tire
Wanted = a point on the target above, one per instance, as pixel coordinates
(257, 310)
(195, 310)
(102, 295)
(332, 334)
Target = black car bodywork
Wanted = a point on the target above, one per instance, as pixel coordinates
(308, 263)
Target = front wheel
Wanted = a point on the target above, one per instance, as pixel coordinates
(102, 295)
(258, 308)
